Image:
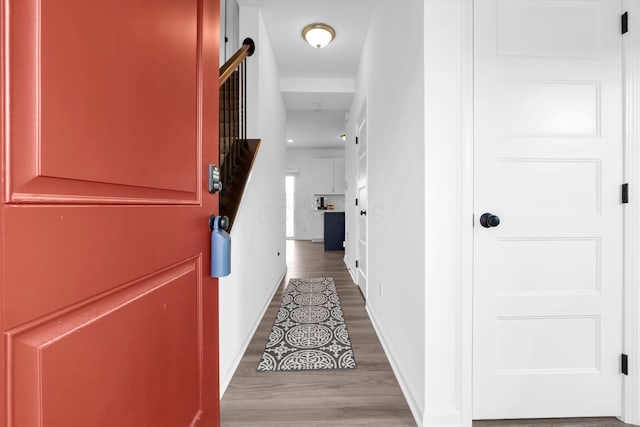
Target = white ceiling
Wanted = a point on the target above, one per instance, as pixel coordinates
(285, 19)
(317, 101)
(317, 84)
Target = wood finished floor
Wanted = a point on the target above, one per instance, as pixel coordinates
(366, 396)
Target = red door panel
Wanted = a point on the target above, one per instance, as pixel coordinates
(150, 50)
(108, 343)
(108, 315)
(104, 97)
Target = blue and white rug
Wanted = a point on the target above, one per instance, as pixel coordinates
(309, 331)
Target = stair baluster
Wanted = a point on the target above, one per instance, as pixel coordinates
(236, 152)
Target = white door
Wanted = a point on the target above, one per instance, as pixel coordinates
(361, 209)
(548, 163)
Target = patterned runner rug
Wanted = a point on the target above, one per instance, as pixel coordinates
(309, 331)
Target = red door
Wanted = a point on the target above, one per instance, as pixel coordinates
(109, 112)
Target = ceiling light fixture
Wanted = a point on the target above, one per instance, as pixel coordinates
(290, 141)
(343, 136)
(318, 35)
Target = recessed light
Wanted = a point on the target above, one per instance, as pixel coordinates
(290, 141)
(318, 35)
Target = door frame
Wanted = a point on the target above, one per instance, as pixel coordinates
(362, 122)
(293, 175)
(630, 408)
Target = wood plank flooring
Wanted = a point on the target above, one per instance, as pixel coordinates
(366, 396)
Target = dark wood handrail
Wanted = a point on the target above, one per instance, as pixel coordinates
(247, 49)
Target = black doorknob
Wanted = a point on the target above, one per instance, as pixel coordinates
(363, 212)
(488, 220)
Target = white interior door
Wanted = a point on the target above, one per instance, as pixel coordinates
(548, 163)
(361, 210)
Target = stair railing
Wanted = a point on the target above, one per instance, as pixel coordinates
(233, 116)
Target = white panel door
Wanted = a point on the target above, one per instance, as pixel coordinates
(361, 209)
(548, 163)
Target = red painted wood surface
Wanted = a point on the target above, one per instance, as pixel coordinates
(109, 117)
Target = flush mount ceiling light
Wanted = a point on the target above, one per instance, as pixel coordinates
(318, 35)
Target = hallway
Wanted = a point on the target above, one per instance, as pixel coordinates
(366, 396)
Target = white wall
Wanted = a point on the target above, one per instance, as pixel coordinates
(314, 129)
(229, 22)
(258, 235)
(301, 160)
(395, 113)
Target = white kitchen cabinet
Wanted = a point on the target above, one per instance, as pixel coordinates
(323, 176)
(328, 176)
(338, 176)
(317, 226)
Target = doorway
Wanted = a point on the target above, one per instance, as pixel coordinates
(548, 154)
(290, 195)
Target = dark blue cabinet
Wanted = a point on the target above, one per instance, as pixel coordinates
(333, 231)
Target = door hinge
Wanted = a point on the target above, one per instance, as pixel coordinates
(357, 264)
(625, 193)
(356, 202)
(624, 364)
(357, 140)
(624, 20)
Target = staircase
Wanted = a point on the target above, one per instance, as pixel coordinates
(237, 153)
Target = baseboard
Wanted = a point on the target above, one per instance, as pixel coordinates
(347, 262)
(414, 406)
(445, 418)
(226, 378)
